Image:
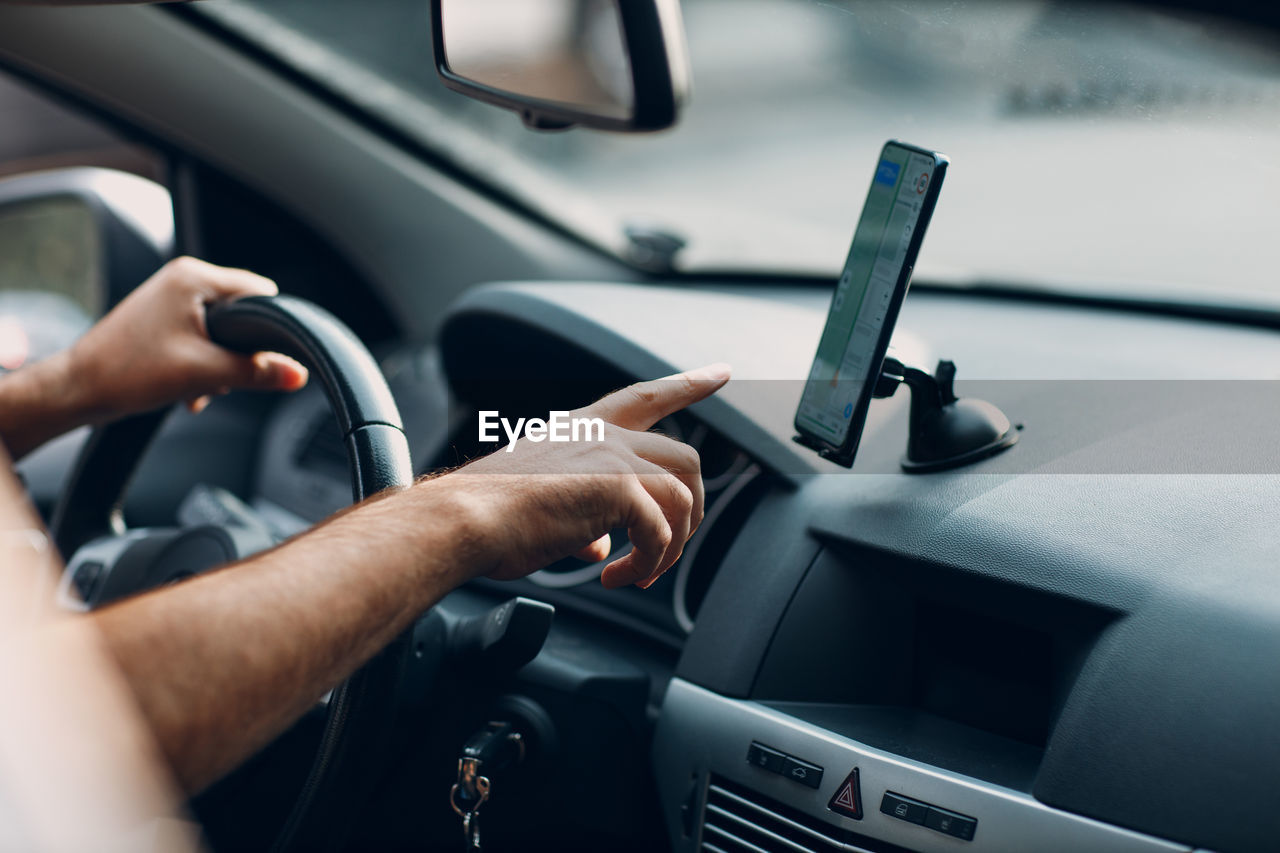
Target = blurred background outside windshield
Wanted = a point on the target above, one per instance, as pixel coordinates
(1094, 146)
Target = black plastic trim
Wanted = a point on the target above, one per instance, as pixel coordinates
(658, 92)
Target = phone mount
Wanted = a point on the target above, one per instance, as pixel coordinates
(945, 431)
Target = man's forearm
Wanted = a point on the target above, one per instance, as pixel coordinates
(40, 402)
(70, 731)
(223, 663)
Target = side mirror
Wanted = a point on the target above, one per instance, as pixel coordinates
(118, 229)
(616, 65)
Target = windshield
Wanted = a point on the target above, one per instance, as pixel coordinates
(1093, 147)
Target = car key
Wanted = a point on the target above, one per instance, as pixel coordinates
(491, 750)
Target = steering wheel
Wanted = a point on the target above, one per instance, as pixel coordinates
(88, 528)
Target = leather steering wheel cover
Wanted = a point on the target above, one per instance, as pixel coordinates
(307, 332)
(360, 710)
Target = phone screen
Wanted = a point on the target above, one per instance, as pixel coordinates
(868, 295)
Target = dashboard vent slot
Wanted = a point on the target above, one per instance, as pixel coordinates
(727, 512)
(737, 820)
(323, 449)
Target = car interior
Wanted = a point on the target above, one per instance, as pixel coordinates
(1068, 643)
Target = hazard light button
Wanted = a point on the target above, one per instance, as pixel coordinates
(847, 800)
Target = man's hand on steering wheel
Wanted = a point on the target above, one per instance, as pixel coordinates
(153, 349)
(323, 605)
(150, 351)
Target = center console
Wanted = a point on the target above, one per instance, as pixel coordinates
(741, 776)
(891, 706)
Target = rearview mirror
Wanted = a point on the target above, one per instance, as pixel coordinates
(607, 64)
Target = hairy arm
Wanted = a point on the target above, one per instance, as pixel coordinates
(224, 662)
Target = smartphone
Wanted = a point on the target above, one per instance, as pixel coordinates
(864, 308)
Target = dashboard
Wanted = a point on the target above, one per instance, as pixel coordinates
(1070, 646)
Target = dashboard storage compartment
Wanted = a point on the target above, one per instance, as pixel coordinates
(925, 662)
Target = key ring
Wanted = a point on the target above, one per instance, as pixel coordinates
(470, 810)
(472, 785)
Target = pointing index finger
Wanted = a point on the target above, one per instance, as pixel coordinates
(640, 406)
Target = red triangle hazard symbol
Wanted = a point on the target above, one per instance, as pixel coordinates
(848, 799)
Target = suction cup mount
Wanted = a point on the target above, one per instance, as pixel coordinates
(945, 431)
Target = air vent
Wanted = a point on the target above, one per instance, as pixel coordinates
(323, 449)
(737, 820)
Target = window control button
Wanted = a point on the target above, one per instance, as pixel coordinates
(955, 825)
(895, 805)
(765, 758)
(802, 772)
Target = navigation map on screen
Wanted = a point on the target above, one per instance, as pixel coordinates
(865, 294)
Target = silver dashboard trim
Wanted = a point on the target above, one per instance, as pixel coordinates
(765, 812)
(701, 732)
